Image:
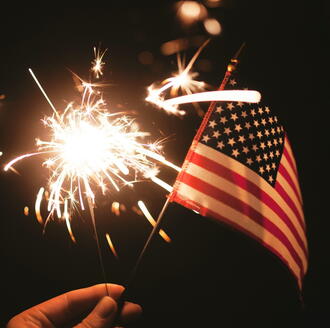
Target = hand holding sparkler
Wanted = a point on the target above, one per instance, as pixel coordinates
(69, 309)
(91, 149)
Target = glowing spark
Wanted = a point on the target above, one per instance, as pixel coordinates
(136, 210)
(174, 46)
(152, 221)
(26, 211)
(190, 11)
(43, 91)
(98, 63)
(115, 208)
(249, 96)
(113, 250)
(161, 183)
(89, 146)
(12, 162)
(212, 26)
(37, 205)
(183, 80)
(66, 217)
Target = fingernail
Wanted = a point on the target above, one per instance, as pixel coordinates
(105, 307)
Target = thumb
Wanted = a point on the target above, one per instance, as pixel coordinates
(102, 315)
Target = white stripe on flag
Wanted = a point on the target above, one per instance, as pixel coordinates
(250, 175)
(285, 185)
(241, 220)
(254, 202)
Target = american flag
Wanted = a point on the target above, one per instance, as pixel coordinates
(240, 170)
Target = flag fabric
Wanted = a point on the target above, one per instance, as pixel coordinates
(240, 170)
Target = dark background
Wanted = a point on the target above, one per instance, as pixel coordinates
(210, 274)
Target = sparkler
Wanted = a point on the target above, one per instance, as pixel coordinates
(97, 62)
(90, 148)
(184, 80)
(110, 243)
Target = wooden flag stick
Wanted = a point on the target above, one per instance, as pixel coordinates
(231, 67)
(154, 231)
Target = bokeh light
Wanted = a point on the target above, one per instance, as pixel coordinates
(191, 11)
(212, 26)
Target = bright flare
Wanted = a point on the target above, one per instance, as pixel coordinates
(191, 89)
(249, 96)
(183, 80)
(89, 147)
(98, 63)
(112, 247)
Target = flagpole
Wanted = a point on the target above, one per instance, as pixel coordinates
(230, 68)
(154, 231)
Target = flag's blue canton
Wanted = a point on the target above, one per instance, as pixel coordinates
(247, 133)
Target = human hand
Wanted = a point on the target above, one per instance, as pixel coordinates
(63, 310)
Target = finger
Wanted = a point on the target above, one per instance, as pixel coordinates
(82, 300)
(67, 307)
(130, 312)
(102, 315)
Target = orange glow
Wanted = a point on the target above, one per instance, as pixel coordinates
(98, 63)
(174, 46)
(212, 26)
(26, 211)
(110, 243)
(137, 211)
(37, 205)
(152, 221)
(115, 208)
(213, 3)
(191, 11)
(66, 217)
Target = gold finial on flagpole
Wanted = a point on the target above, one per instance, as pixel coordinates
(231, 67)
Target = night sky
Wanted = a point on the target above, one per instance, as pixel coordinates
(210, 275)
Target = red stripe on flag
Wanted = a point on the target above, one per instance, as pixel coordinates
(288, 149)
(288, 178)
(242, 207)
(215, 215)
(290, 203)
(249, 186)
(289, 159)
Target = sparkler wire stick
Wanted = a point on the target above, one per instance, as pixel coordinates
(91, 209)
(133, 273)
(230, 68)
(90, 202)
(43, 92)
